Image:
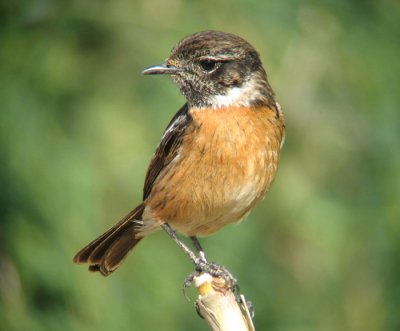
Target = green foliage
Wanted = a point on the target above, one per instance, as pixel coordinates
(78, 125)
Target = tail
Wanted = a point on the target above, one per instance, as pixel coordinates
(106, 253)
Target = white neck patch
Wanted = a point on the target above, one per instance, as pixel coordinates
(238, 96)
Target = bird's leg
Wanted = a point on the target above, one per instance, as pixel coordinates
(201, 264)
(200, 250)
(167, 228)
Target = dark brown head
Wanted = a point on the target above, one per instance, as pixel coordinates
(217, 69)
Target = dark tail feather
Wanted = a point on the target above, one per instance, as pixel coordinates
(107, 252)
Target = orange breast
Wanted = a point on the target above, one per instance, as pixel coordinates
(227, 162)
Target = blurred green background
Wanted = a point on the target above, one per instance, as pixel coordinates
(78, 126)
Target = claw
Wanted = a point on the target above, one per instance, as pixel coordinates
(198, 310)
(187, 283)
(247, 306)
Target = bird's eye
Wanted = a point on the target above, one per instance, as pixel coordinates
(208, 65)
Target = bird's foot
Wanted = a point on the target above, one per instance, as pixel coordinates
(215, 270)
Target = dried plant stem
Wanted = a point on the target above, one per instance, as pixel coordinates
(217, 304)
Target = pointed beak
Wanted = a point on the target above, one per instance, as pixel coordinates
(161, 69)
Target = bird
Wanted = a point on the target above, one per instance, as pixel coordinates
(217, 157)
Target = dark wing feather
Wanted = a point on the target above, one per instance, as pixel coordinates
(167, 148)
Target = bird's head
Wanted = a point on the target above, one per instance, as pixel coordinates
(217, 69)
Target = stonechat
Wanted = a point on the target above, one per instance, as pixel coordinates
(218, 156)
